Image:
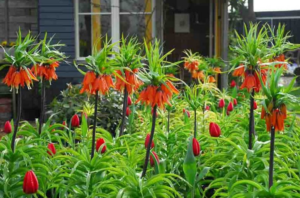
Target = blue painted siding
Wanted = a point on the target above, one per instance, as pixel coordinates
(56, 17)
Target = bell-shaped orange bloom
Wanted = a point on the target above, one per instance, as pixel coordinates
(102, 84)
(88, 82)
(280, 58)
(249, 82)
(198, 75)
(15, 78)
(8, 78)
(275, 118)
(130, 81)
(46, 71)
(154, 95)
(239, 71)
(217, 70)
(211, 79)
(191, 66)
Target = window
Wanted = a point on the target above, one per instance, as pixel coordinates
(98, 18)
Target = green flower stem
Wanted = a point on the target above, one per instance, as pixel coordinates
(43, 98)
(271, 164)
(168, 126)
(150, 142)
(19, 111)
(195, 124)
(94, 126)
(251, 119)
(124, 111)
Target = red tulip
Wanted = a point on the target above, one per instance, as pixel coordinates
(152, 160)
(51, 149)
(207, 108)
(147, 140)
(214, 130)
(196, 147)
(232, 84)
(186, 112)
(129, 101)
(128, 111)
(254, 105)
(64, 123)
(30, 183)
(75, 121)
(230, 107)
(221, 103)
(7, 127)
(99, 143)
(235, 102)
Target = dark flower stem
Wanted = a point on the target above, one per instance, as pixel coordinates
(150, 142)
(195, 124)
(43, 98)
(168, 127)
(94, 126)
(124, 111)
(251, 119)
(19, 111)
(271, 165)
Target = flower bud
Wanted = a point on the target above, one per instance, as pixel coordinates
(7, 127)
(196, 147)
(75, 121)
(147, 140)
(30, 183)
(99, 143)
(214, 130)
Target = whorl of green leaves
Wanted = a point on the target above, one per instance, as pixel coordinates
(25, 51)
(280, 42)
(253, 46)
(101, 61)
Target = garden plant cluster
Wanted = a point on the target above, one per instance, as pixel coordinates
(172, 139)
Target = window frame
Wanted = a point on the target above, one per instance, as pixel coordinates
(115, 22)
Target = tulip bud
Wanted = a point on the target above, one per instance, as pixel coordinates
(129, 101)
(232, 84)
(7, 127)
(99, 143)
(235, 102)
(221, 103)
(75, 121)
(30, 183)
(230, 107)
(214, 130)
(147, 140)
(187, 113)
(254, 105)
(152, 160)
(51, 149)
(207, 108)
(196, 147)
(128, 111)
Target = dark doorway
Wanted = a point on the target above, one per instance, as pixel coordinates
(180, 39)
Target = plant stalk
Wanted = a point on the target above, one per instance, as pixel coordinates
(251, 119)
(124, 111)
(168, 127)
(271, 165)
(43, 98)
(94, 126)
(150, 142)
(195, 124)
(19, 111)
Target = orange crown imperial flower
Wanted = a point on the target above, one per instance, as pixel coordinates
(15, 78)
(46, 71)
(274, 117)
(158, 95)
(132, 83)
(91, 83)
(251, 76)
(280, 58)
(191, 65)
(198, 75)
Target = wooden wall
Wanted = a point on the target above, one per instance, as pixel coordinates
(15, 14)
